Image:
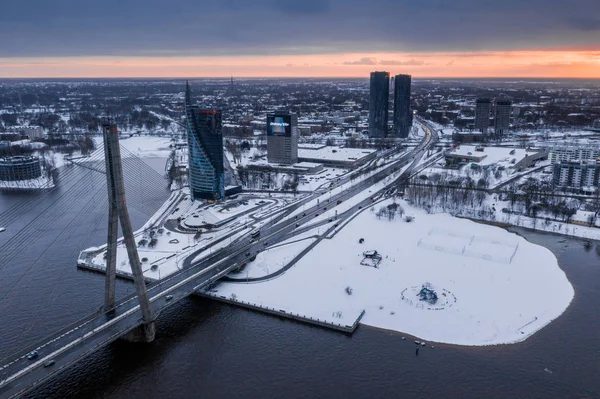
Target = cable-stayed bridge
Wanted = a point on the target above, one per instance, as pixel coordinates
(81, 200)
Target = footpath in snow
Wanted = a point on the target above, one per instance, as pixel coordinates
(440, 278)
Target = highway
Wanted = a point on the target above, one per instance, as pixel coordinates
(19, 374)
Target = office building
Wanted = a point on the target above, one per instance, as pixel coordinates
(482, 114)
(206, 175)
(502, 117)
(402, 112)
(378, 104)
(282, 138)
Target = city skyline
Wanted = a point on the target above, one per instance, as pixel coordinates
(284, 38)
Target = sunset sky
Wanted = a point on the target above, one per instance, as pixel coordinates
(300, 38)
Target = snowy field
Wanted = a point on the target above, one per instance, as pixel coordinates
(141, 146)
(147, 146)
(264, 263)
(42, 182)
(493, 287)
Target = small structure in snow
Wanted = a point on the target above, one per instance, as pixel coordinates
(371, 258)
(427, 294)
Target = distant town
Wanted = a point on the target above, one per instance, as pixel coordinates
(324, 123)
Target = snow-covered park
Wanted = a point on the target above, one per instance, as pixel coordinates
(492, 286)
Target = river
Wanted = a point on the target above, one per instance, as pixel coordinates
(211, 350)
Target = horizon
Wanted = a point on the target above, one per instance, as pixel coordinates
(366, 78)
(503, 64)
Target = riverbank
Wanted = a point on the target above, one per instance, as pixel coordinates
(492, 286)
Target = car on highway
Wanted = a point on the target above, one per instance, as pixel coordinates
(32, 355)
(2, 229)
(168, 298)
(247, 253)
(49, 363)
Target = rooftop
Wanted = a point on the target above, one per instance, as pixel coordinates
(333, 153)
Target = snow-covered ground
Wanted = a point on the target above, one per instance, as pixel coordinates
(162, 251)
(42, 182)
(147, 146)
(542, 224)
(264, 264)
(142, 146)
(493, 287)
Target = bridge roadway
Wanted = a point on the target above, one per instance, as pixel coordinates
(19, 375)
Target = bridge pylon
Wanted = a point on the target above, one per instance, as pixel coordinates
(118, 212)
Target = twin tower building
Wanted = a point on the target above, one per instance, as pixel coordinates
(206, 169)
(379, 106)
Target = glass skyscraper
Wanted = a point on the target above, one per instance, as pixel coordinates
(402, 115)
(482, 114)
(378, 104)
(502, 117)
(206, 175)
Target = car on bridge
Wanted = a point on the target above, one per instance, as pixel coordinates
(32, 355)
(49, 363)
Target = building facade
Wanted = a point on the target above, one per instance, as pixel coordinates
(482, 114)
(576, 176)
(402, 114)
(574, 153)
(282, 138)
(20, 168)
(502, 117)
(206, 175)
(378, 104)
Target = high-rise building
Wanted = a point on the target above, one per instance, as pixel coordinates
(282, 137)
(402, 113)
(502, 116)
(206, 176)
(378, 104)
(575, 175)
(482, 114)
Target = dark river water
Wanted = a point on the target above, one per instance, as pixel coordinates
(206, 349)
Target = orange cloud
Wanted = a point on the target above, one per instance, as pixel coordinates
(551, 64)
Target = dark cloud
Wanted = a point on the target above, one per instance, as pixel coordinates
(303, 6)
(362, 61)
(586, 24)
(262, 27)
